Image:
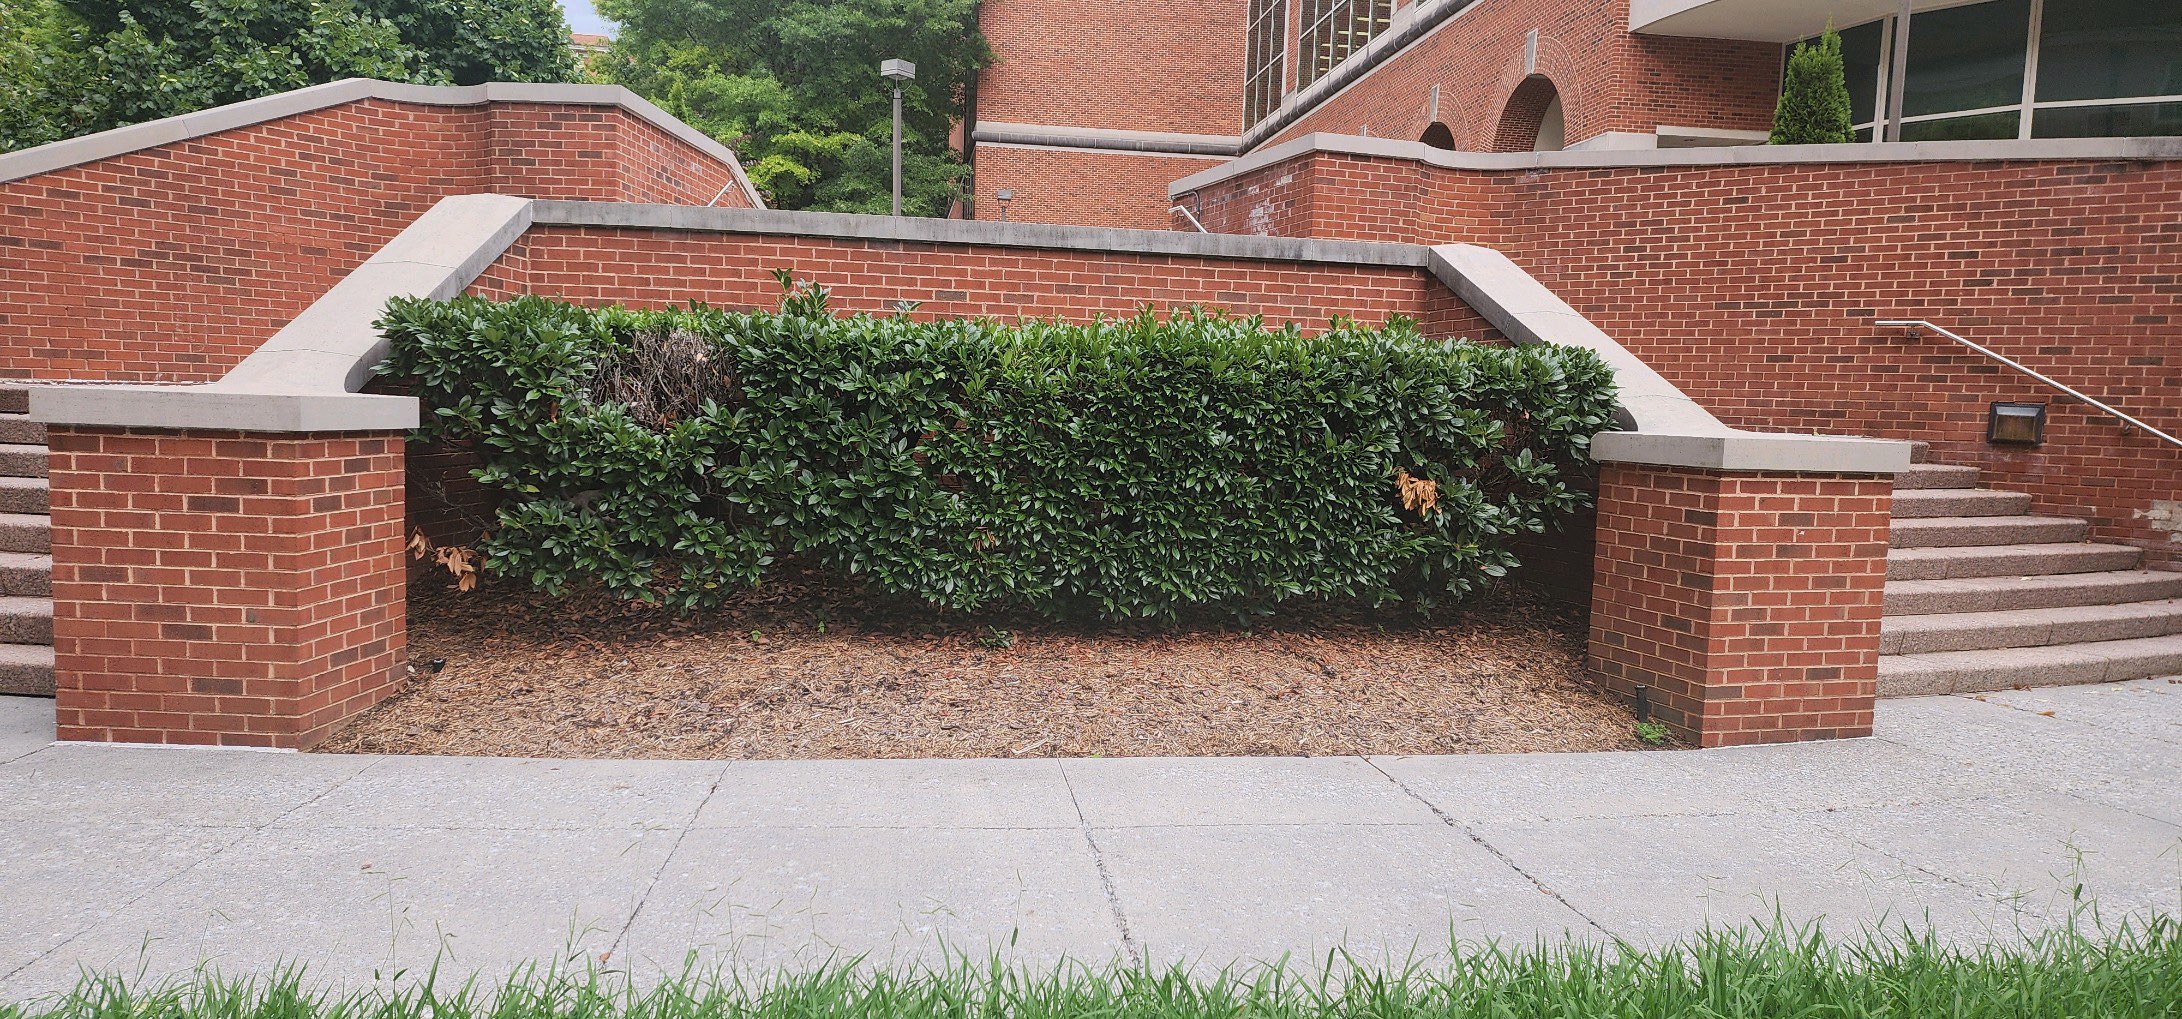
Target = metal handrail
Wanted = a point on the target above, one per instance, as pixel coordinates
(1914, 325)
(1188, 215)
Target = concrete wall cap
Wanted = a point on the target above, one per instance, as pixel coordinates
(1106, 138)
(982, 233)
(2152, 149)
(304, 379)
(61, 155)
(1664, 427)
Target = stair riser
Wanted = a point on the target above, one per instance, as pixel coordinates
(23, 462)
(2152, 588)
(2002, 634)
(26, 680)
(1971, 535)
(2096, 560)
(14, 428)
(26, 582)
(1925, 477)
(1907, 505)
(2063, 668)
(35, 540)
(26, 629)
(14, 400)
(23, 500)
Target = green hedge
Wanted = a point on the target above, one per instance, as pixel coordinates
(1122, 469)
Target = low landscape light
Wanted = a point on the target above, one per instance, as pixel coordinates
(2016, 424)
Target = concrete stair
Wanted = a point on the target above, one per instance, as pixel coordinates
(1983, 595)
(26, 541)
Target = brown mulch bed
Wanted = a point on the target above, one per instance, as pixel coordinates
(801, 671)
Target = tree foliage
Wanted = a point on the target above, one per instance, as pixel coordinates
(71, 67)
(1145, 468)
(793, 86)
(1814, 98)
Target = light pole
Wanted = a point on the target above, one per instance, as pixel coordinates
(897, 71)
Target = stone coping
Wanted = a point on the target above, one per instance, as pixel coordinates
(2037, 149)
(1162, 142)
(983, 233)
(305, 379)
(123, 140)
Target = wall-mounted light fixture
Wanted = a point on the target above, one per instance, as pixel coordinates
(1003, 196)
(2016, 424)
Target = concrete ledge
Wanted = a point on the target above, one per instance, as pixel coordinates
(983, 233)
(207, 408)
(1164, 142)
(305, 378)
(106, 144)
(1664, 426)
(2038, 149)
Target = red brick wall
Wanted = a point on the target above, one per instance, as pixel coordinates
(1081, 188)
(172, 263)
(1607, 78)
(224, 588)
(1147, 65)
(656, 268)
(1748, 605)
(1754, 287)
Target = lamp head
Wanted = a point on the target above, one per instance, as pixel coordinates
(897, 71)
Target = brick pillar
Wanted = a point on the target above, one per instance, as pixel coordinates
(1749, 603)
(224, 588)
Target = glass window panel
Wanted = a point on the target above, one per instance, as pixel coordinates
(1982, 127)
(1967, 58)
(1263, 69)
(1860, 58)
(2110, 49)
(2134, 120)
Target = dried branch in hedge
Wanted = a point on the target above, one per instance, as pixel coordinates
(1117, 469)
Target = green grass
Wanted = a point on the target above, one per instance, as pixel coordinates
(1767, 972)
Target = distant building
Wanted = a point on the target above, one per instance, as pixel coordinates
(586, 45)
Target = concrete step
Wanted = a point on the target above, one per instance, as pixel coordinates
(26, 621)
(1999, 594)
(2031, 560)
(22, 495)
(2013, 628)
(21, 460)
(26, 532)
(1920, 451)
(16, 428)
(1921, 477)
(1962, 532)
(2108, 661)
(1925, 503)
(23, 575)
(26, 670)
(14, 400)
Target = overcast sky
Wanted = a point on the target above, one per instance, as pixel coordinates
(582, 18)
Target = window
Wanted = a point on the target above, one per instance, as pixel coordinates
(1334, 29)
(2110, 49)
(1967, 58)
(2025, 69)
(1265, 59)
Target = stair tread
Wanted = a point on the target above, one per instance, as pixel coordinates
(2102, 578)
(1927, 477)
(20, 605)
(2012, 518)
(12, 482)
(26, 654)
(2105, 661)
(2100, 650)
(1932, 621)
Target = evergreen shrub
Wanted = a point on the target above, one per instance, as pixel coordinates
(1139, 468)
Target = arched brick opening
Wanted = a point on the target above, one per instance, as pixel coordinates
(1439, 136)
(1532, 119)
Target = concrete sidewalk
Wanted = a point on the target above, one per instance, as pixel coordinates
(1974, 813)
